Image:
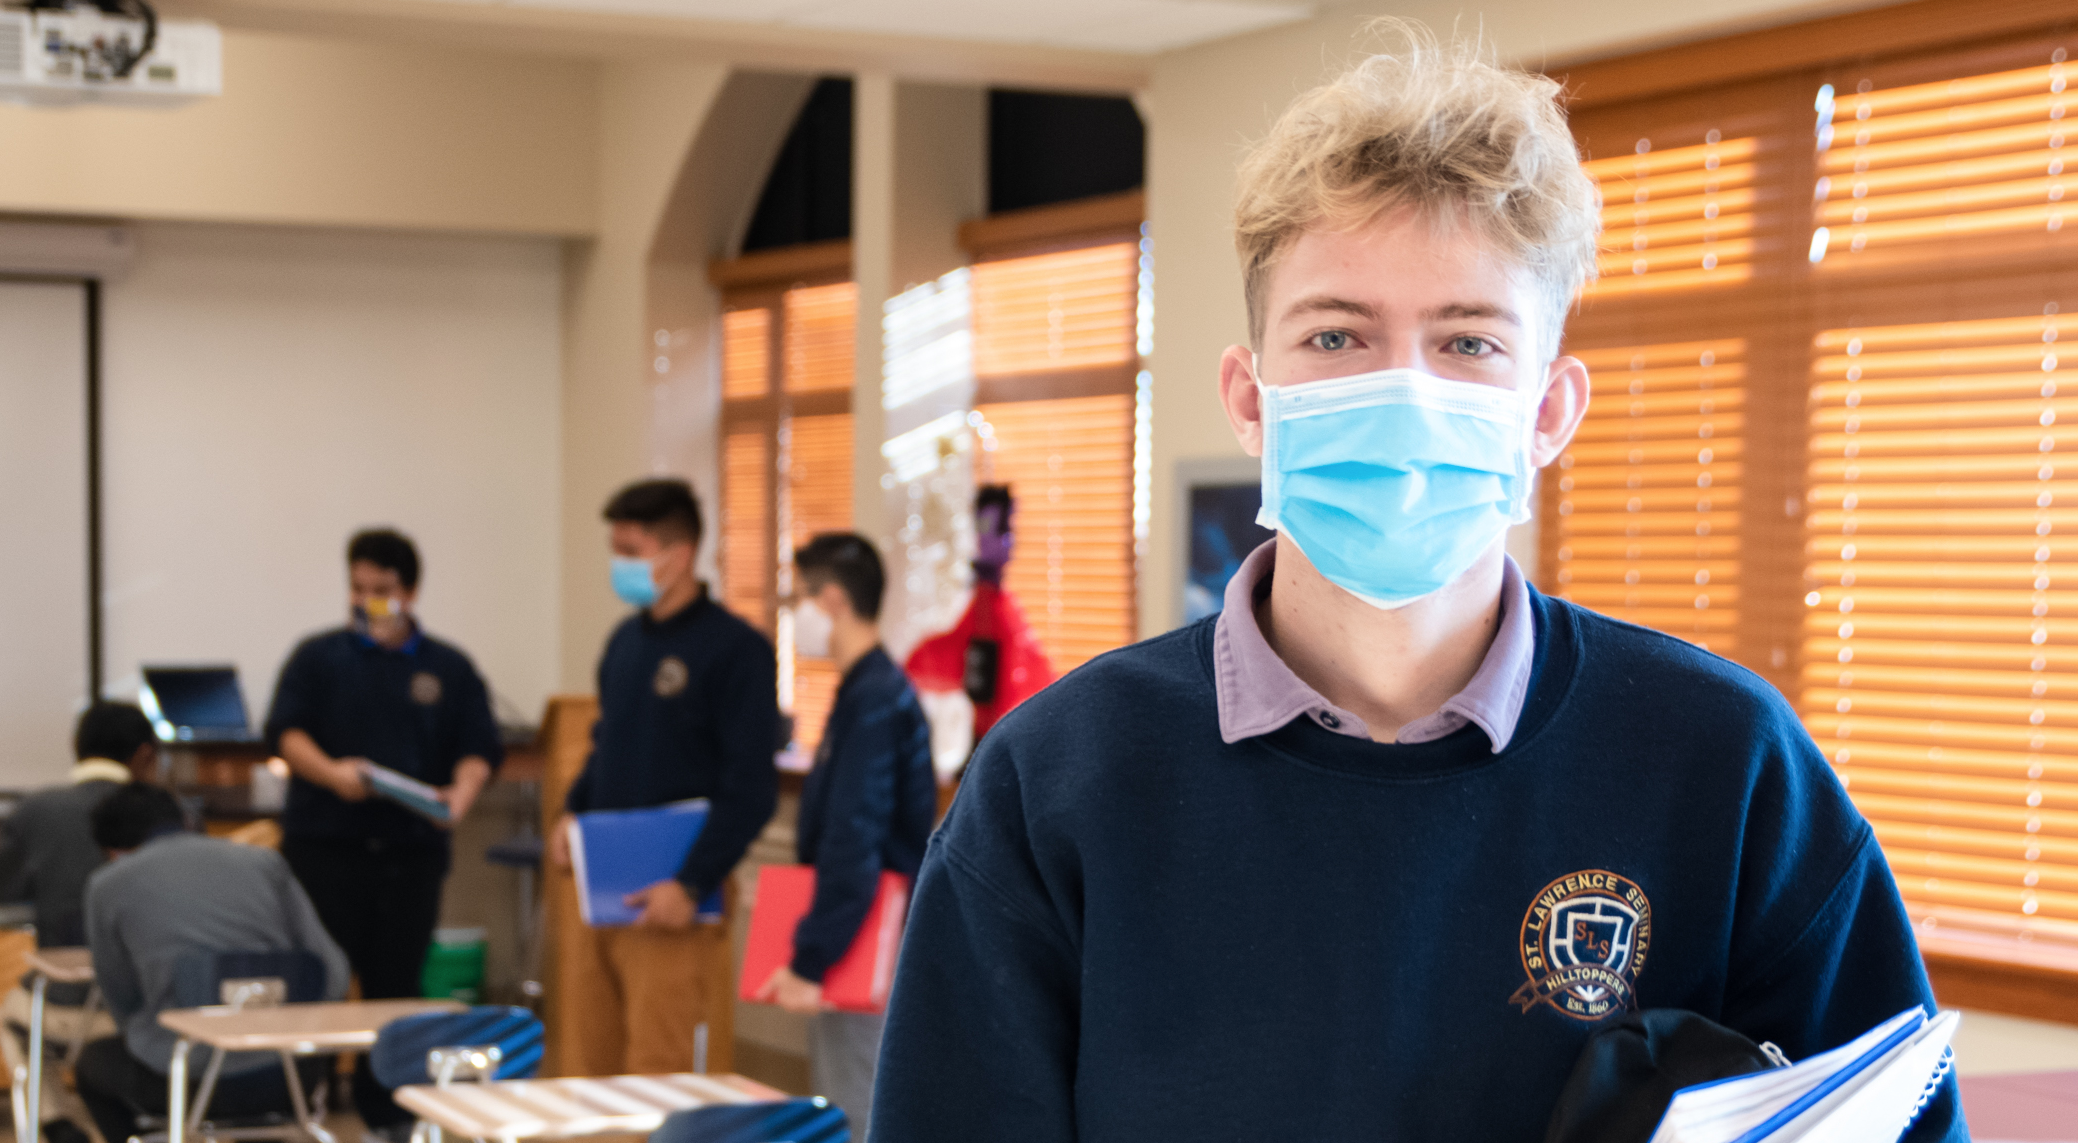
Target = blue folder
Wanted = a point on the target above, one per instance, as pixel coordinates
(618, 852)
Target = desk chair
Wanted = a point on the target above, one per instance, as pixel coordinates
(811, 1120)
(487, 1043)
(249, 980)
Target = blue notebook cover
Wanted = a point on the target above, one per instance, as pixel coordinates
(618, 852)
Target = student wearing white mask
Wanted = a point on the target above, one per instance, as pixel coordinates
(1373, 853)
(866, 807)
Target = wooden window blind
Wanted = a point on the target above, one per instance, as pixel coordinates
(1941, 676)
(1069, 463)
(820, 323)
(1056, 356)
(818, 480)
(1065, 310)
(1678, 218)
(1903, 505)
(1972, 157)
(746, 516)
(787, 359)
(1643, 507)
(746, 352)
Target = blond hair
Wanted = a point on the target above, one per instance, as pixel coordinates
(1440, 130)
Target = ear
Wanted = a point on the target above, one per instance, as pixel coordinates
(831, 598)
(1560, 413)
(1237, 393)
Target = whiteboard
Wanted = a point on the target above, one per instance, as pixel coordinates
(43, 528)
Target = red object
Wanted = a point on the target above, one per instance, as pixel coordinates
(856, 983)
(939, 663)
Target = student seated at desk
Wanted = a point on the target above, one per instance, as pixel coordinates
(47, 852)
(167, 893)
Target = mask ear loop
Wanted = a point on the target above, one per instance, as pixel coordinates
(1533, 407)
(1272, 486)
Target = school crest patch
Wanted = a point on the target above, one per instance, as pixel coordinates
(671, 676)
(1584, 941)
(425, 688)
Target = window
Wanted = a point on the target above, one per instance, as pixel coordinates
(786, 463)
(1056, 359)
(1852, 275)
(1940, 673)
(1644, 513)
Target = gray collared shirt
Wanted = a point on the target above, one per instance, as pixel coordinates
(1257, 693)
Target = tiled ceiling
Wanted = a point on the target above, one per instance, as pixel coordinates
(1104, 25)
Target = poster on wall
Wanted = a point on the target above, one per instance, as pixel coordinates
(1220, 505)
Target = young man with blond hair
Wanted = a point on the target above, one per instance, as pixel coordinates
(1371, 855)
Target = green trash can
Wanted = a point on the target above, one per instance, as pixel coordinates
(454, 966)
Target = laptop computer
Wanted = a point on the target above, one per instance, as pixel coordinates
(196, 704)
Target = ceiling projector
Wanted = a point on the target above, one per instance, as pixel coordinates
(64, 52)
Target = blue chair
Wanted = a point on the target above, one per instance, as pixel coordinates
(488, 1042)
(812, 1120)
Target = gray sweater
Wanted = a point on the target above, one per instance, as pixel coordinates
(47, 851)
(183, 893)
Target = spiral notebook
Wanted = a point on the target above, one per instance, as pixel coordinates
(1866, 1091)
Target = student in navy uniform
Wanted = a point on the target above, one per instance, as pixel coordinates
(688, 708)
(866, 807)
(378, 690)
(1371, 854)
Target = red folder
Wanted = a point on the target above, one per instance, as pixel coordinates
(856, 983)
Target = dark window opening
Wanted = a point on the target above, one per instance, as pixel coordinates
(807, 197)
(1045, 148)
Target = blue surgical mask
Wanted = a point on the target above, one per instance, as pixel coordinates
(633, 582)
(1393, 483)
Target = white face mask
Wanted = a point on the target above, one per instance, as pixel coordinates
(811, 630)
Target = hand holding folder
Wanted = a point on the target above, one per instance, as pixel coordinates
(619, 854)
(859, 981)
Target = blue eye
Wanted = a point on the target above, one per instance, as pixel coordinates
(1470, 346)
(1331, 340)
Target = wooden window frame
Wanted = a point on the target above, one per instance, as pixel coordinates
(1965, 971)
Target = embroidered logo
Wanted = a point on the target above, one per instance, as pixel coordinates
(671, 676)
(425, 688)
(1583, 945)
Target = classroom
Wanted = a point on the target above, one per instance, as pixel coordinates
(734, 571)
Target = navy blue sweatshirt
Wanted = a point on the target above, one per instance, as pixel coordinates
(688, 708)
(418, 709)
(1128, 930)
(866, 807)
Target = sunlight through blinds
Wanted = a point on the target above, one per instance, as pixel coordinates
(746, 353)
(1069, 463)
(746, 560)
(1941, 639)
(819, 332)
(1073, 309)
(1677, 218)
(1645, 501)
(818, 481)
(1963, 158)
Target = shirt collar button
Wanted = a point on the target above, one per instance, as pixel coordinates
(1328, 719)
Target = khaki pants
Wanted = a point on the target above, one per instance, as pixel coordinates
(61, 1029)
(632, 1000)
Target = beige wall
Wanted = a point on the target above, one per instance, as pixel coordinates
(268, 390)
(649, 114)
(329, 133)
(1203, 104)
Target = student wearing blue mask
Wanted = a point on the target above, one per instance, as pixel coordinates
(1372, 854)
(688, 708)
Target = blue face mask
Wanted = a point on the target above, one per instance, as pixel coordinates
(1393, 483)
(633, 582)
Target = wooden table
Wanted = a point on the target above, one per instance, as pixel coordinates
(565, 1108)
(65, 966)
(289, 1029)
